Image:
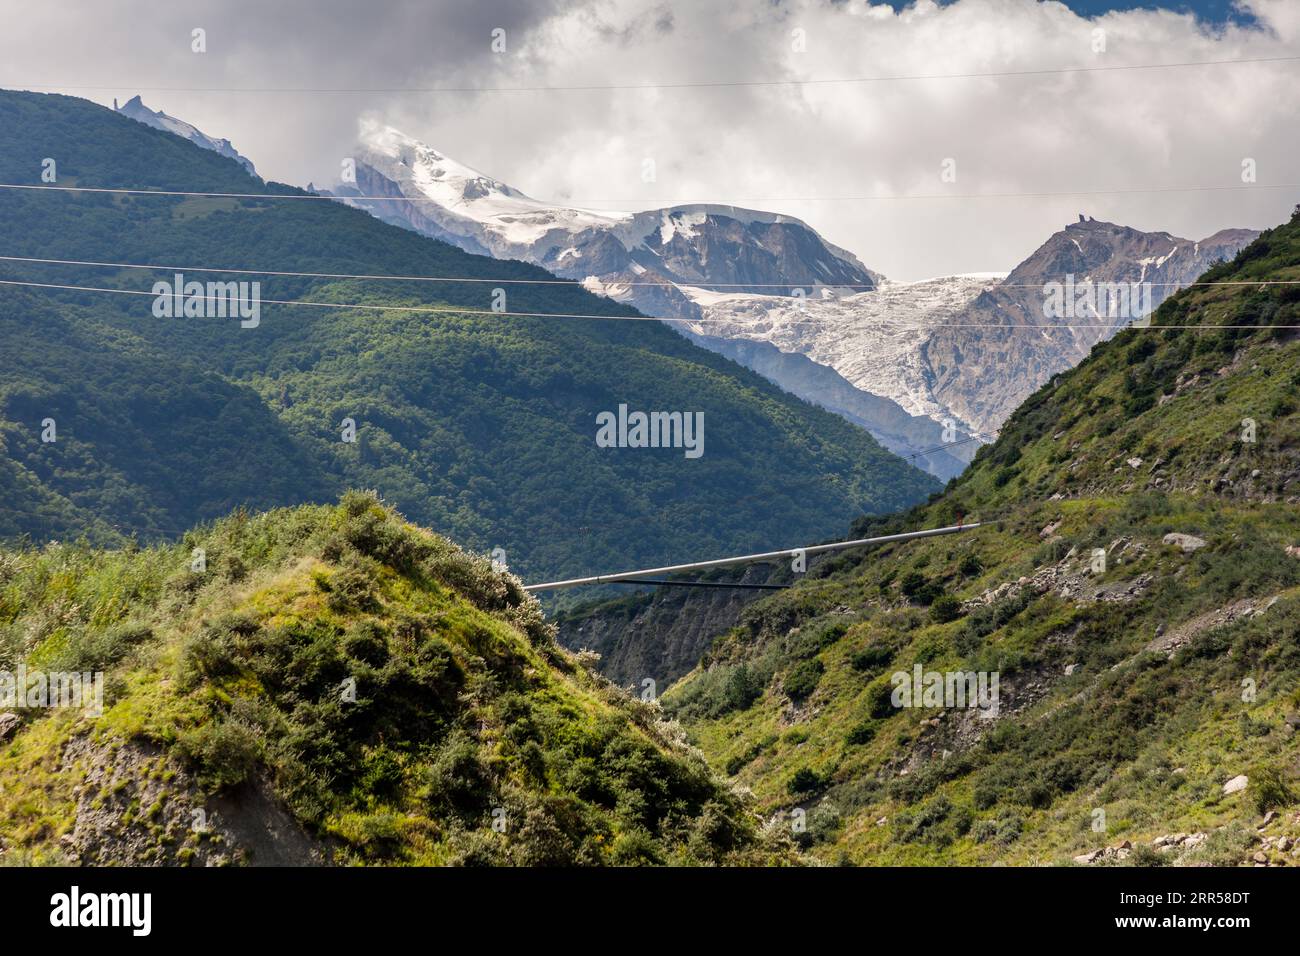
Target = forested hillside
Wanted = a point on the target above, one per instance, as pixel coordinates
(479, 426)
(1136, 595)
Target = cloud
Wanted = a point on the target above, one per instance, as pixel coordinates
(770, 146)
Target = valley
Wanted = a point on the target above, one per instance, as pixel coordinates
(1134, 592)
(314, 499)
(961, 351)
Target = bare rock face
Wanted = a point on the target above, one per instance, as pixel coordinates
(1009, 347)
(135, 807)
(658, 635)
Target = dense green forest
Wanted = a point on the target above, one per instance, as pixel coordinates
(479, 427)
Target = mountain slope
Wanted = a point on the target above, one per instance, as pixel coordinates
(969, 349)
(476, 424)
(916, 438)
(659, 260)
(333, 686)
(983, 372)
(935, 348)
(1137, 600)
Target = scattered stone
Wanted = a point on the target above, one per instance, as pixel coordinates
(1236, 784)
(1070, 669)
(1134, 463)
(1187, 542)
(1269, 818)
(1188, 631)
(1086, 858)
(8, 724)
(1260, 857)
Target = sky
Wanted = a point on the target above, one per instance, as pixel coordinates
(1210, 11)
(920, 167)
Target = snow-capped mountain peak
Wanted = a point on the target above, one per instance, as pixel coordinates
(698, 244)
(479, 207)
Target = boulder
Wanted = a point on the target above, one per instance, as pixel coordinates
(8, 724)
(1187, 542)
(1236, 784)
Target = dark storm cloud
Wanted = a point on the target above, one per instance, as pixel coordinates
(776, 147)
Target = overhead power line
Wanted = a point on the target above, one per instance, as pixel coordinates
(226, 270)
(657, 202)
(678, 85)
(623, 577)
(705, 584)
(455, 310)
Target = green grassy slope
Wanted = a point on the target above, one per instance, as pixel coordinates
(1130, 693)
(467, 735)
(482, 427)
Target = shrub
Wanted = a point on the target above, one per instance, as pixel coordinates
(879, 698)
(862, 733)
(802, 679)
(944, 609)
(985, 794)
(1270, 788)
(1004, 831)
(817, 637)
(457, 778)
(367, 642)
(984, 831)
(929, 593)
(223, 753)
(1144, 855)
(742, 688)
(805, 780)
(871, 657)
(922, 824)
